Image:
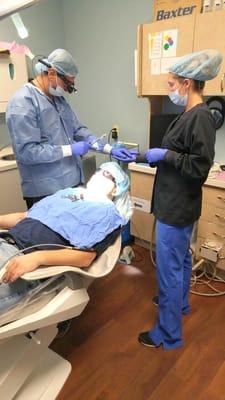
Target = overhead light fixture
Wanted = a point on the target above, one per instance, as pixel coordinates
(20, 27)
(9, 7)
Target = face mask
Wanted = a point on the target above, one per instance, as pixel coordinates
(58, 91)
(177, 98)
(99, 186)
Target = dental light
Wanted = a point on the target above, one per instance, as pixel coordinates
(12, 6)
(20, 27)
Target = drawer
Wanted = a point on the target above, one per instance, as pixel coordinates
(214, 196)
(141, 185)
(213, 214)
(209, 230)
(142, 225)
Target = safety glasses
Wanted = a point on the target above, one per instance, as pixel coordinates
(70, 87)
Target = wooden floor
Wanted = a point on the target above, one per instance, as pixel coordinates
(109, 363)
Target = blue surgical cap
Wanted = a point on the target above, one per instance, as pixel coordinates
(201, 66)
(61, 60)
(122, 179)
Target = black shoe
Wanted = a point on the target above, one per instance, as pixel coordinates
(144, 339)
(155, 300)
(63, 328)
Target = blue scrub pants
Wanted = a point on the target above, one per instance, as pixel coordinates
(174, 267)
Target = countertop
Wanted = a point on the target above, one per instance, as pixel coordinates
(216, 179)
(5, 165)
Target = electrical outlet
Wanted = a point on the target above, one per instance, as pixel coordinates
(115, 132)
(116, 127)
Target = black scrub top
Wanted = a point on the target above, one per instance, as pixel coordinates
(177, 191)
(31, 232)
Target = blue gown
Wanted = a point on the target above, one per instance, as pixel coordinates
(38, 128)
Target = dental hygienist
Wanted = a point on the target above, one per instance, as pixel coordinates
(47, 137)
(183, 164)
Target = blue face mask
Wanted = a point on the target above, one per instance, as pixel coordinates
(58, 91)
(177, 98)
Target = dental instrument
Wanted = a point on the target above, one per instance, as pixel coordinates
(97, 140)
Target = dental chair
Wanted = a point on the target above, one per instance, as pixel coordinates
(29, 370)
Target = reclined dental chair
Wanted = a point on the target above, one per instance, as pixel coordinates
(28, 368)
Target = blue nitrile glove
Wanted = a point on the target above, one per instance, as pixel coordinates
(122, 154)
(154, 155)
(80, 148)
(134, 154)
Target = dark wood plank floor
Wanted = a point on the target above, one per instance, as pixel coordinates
(109, 363)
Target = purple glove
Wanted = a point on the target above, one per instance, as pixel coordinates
(124, 155)
(154, 155)
(80, 148)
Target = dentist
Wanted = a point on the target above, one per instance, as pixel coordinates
(47, 137)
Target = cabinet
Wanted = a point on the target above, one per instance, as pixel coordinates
(209, 33)
(202, 31)
(156, 84)
(13, 74)
(142, 221)
(211, 225)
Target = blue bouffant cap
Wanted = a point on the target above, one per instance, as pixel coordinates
(201, 66)
(121, 178)
(61, 60)
(122, 198)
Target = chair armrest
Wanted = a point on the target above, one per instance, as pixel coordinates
(102, 266)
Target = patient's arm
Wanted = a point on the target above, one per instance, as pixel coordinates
(8, 221)
(29, 262)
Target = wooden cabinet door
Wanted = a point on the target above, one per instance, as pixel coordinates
(209, 34)
(10, 83)
(156, 84)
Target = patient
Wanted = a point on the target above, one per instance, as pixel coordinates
(71, 227)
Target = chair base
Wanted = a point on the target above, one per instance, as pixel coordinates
(47, 380)
(29, 369)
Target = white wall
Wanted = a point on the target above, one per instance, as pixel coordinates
(102, 37)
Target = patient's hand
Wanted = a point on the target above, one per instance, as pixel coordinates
(19, 266)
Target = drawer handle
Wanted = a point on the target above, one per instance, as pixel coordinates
(220, 217)
(220, 198)
(218, 234)
(222, 83)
